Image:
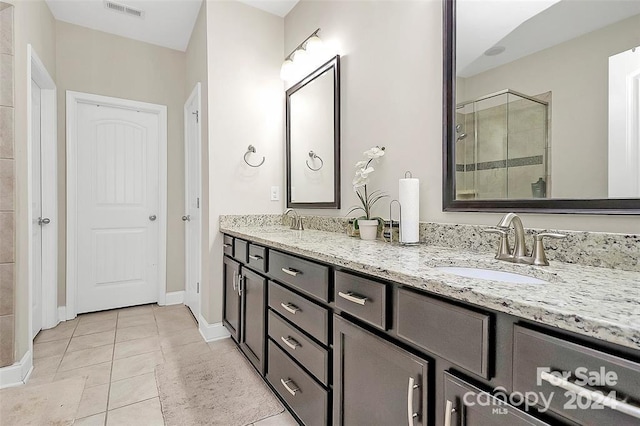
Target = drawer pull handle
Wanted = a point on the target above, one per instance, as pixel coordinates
(291, 271)
(410, 414)
(448, 410)
(290, 307)
(290, 341)
(289, 389)
(360, 300)
(227, 245)
(607, 401)
(255, 257)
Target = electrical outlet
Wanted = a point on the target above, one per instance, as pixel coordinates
(275, 193)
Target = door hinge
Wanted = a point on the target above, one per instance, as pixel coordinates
(198, 288)
(198, 202)
(197, 114)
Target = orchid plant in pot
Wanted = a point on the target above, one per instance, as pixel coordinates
(367, 224)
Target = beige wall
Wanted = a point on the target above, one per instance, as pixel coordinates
(196, 71)
(392, 96)
(246, 105)
(33, 24)
(577, 74)
(104, 64)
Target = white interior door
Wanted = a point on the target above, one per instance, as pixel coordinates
(192, 217)
(36, 206)
(117, 207)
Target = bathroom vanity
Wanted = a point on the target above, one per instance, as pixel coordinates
(353, 332)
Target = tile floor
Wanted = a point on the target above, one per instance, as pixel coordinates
(117, 351)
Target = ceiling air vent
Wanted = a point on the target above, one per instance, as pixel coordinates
(122, 8)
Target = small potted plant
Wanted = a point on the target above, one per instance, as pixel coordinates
(368, 225)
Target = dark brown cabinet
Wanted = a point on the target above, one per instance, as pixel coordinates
(376, 382)
(466, 405)
(253, 301)
(231, 306)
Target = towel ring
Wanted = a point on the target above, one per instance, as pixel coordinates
(313, 156)
(252, 149)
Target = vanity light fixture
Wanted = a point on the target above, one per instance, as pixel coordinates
(301, 55)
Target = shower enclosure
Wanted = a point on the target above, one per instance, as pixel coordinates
(502, 147)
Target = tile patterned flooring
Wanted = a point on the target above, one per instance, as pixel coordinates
(117, 351)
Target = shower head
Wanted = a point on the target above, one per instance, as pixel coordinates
(461, 136)
(458, 128)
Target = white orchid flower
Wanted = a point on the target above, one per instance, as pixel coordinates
(374, 152)
(359, 181)
(361, 164)
(365, 172)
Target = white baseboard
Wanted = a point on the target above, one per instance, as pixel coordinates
(18, 373)
(62, 313)
(212, 332)
(174, 298)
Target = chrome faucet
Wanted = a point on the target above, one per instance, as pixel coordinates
(296, 222)
(519, 253)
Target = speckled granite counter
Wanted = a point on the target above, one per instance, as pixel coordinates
(597, 302)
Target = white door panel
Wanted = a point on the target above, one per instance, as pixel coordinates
(36, 208)
(118, 192)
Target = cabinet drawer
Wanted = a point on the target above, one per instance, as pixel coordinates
(363, 298)
(227, 245)
(306, 276)
(536, 352)
(258, 257)
(240, 250)
(305, 397)
(308, 353)
(472, 406)
(457, 334)
(304, 313)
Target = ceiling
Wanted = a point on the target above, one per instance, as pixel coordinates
(276, 7)
(166, 23)
(526, 27)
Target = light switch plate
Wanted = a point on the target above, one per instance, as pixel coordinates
(275, 193)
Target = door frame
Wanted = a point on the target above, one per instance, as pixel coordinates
(73, 100)
(196, 95)
(37, 72)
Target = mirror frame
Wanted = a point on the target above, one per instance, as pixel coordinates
(333, 63)
(617, 206)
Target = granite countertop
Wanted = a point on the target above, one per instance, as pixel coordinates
(598, 302)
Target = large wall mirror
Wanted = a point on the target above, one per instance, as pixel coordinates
(313, 139)
(542, 106)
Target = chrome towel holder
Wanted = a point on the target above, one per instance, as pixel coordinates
(252, 149)
(313, 156)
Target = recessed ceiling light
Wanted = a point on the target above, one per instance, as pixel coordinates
(495, 50)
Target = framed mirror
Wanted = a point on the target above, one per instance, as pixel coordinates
(542, 106)
(313, 139)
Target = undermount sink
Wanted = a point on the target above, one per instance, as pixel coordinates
(490, 274)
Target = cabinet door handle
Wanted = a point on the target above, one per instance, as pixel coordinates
(291, 390)
(235, 285)
(290, 341)
(290, 307)
(240, 281)
(291, 271)
(607, 401)
(225, 245)
(255, 257)
(360, 300)
(448, 410)
(410, 414)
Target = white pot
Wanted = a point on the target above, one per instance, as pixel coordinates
(368, 229)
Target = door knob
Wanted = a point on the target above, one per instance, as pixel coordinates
(43, 221)
(186, 218)
(152, 217)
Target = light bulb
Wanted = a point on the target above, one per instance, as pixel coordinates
(300, 57)
(286, 71)
(313, 45)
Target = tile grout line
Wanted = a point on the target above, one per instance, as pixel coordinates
(113, 353)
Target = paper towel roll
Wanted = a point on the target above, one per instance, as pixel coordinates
(409, 197)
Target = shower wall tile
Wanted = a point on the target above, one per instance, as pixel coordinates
(6, 340)
(6, 29)
(6, 132)
(6, 80)
(7, 243)
(520, 179)
(6, 288)
(7, 183)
